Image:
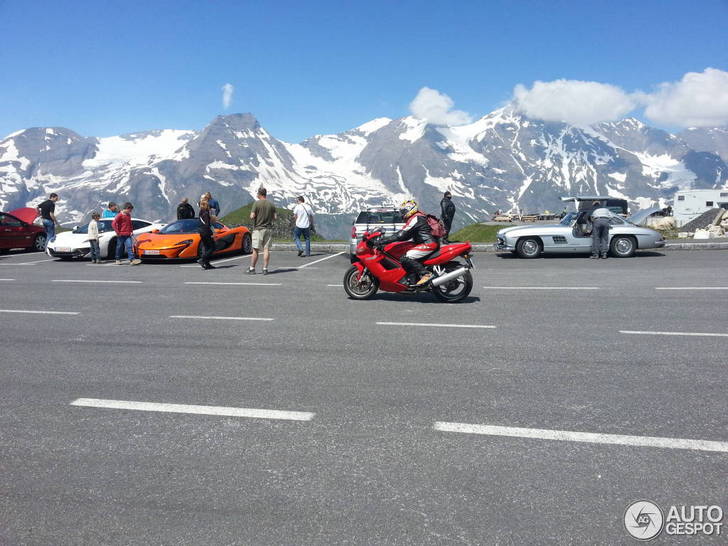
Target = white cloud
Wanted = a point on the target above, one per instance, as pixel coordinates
(699, 99)
(574, 102)
(436, 108)
(227, 95)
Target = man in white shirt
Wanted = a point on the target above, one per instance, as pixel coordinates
(303, 216)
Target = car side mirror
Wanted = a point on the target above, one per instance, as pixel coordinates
(75, 229)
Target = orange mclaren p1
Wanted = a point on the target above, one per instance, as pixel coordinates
(180, 240)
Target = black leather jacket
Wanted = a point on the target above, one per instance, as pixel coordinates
(416, 229)
(447, 209)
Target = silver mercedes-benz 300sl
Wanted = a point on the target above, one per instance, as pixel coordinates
(572, 235)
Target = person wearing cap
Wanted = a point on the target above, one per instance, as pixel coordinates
(448, 212)
(600, 230)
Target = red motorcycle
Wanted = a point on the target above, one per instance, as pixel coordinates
(374, 269)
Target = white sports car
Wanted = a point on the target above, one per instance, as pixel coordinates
(74, 244)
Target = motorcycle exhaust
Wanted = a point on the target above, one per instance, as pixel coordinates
(437, 281)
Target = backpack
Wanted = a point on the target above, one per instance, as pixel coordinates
(438, 229)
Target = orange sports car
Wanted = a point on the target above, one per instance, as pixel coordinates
(180, 240)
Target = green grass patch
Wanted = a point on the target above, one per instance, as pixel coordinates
(476, 233)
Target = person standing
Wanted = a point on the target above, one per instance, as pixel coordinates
(600, 230)
(303, 216)
(448, 212)
(124, 231)
(205, 230)
(112, 209)
(47, 211)
(263, 214)
(185, 210)
(93, 238)
(214, 205)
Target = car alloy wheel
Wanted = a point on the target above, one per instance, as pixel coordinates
(528, 248)
(39, 243)
(623, 247)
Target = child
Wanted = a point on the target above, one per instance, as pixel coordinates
(93, 238)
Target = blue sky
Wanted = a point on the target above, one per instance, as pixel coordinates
(308, 67)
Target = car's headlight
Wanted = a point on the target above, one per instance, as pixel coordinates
(184, 243)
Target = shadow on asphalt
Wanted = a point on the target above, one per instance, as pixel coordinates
(638, 254)
(422, 297)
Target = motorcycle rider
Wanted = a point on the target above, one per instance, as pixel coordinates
(418, 230)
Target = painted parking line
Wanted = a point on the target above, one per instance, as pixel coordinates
(434, 325)
(35, 312)
(234, 283)
(203, 317)
(320, 260)
(222, 411)
(82, 281)
(585, 437)
(7, 280)
(36, 262)
(541, 287)
(220, 261)
(691, 288)
(695, 334)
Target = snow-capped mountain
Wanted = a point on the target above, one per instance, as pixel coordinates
(502, 161)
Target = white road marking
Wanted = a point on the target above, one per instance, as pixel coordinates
(320, 260)
(436, 325)
(338, 285)
(236, 283)
(647, 333)
(95, 281)
(11, 264)
(220, 261)
(39, 312)
(223, 411)
(202, 317)
(587, 437)
(541, 287)
(691, 288)
(7, 279)
(36, 262)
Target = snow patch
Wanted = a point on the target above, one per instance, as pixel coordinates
(413, 129)
(619, 177)
(118, 151)
(372, 126)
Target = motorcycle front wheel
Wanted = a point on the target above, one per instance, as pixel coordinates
(359, 289)
(455, 290)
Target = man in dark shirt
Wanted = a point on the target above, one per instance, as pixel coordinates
(185, 210)
(448, 212)
(263, 214)
(47, 211)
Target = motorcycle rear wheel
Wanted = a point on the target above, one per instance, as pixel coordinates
(455, 290)
(360, 289)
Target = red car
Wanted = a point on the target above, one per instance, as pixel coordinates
(17, 230)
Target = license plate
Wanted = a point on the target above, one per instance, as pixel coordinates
(152, 252)
(63, 249)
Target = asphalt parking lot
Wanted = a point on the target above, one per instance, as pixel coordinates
(328, 426)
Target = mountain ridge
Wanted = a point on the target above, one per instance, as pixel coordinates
(503, 160)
